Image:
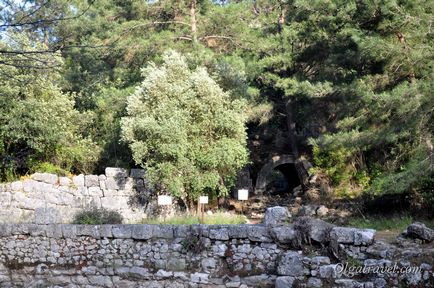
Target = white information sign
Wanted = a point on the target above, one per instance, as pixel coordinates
(243, 194)
(203, 199)
(164, 200)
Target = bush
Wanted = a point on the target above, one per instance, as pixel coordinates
(97, 216)
(46, 167)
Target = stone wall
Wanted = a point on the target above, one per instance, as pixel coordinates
(272, 255)
(46, 198)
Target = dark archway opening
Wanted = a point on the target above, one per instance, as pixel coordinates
(283, 179)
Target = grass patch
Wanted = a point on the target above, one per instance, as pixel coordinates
(381, 223)
(214, 219)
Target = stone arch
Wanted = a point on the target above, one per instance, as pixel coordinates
(274, 164)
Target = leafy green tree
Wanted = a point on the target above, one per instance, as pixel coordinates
(38, 122)
(185, 129)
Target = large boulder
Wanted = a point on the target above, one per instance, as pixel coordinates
(277, 216)
(313, 229)
(420, 231)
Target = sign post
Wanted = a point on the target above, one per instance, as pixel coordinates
(243, 195)
(202, 201)
(164, 200)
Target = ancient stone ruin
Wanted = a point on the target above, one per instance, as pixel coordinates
(38, 248)
(305, 253)
(46, 198)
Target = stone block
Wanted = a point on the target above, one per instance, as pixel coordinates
(284, 282)
(284, 234)
(37, 230)
(65, 181)
(181, 231)
(420, 231)
(17, 186)
(100, 280)
(322, 211)
(122, 231)
(329, 271)
(91, 181)
(116, 172)
(54, 231)
(343, 235)
(78, 180)
(364, 236)
(137, 173)
(238, 231)
(200, 278)
(348, 283)
(105, 231)
(208, 264)
(95, 191)
(218, 233)
(45, 177)
(53, 198)
(46, 216)
(140, 273)
(259, 233)
(69, 231)
(320, 260)
(102, 179)
(5, 230)
(314, 282)
(5, 199)
(88, 230)
(28, 185)
(176, 264)
(291, 264)
(163, 231)
(142, 232)
(115, 183)
(317, 230)
(67, 199)
(129, 184)
(262, 280)
(111, 193)
(276, 216)
(114, 203)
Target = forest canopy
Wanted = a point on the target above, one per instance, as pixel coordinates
(353, 78)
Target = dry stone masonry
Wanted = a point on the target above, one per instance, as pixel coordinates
(46, 198)
(305, 253)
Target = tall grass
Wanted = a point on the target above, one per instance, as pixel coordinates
(381, 223)
(216, 218)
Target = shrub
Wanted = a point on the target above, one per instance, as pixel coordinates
(97, 216)
(49, 168)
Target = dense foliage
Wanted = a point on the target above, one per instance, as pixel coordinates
(354, 78)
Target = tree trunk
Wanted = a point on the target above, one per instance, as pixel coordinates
(291, 127)
(193, 21)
